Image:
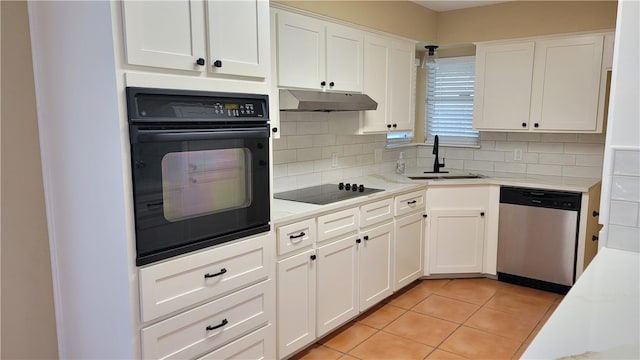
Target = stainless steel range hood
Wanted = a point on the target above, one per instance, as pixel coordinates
(306, 100)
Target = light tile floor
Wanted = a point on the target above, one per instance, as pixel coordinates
(443, 319)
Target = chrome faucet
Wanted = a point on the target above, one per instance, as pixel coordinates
(436, 162)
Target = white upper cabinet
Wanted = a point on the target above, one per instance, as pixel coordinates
(503, 86)
(165, 34)
(315, 54)
(174, 35)
(566, 84)
(389, 79)
(546, 85)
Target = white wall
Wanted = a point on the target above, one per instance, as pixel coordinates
(620, 203)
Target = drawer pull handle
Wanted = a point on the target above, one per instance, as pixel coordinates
(595, 213)
(594, 237)
(297, 236)
(223, 323)
(222, 271)
(366, 237)
(411, 202)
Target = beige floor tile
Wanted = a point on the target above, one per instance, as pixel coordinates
(477, 344)
(348, 337)
(421, 328)
(317, 352)
(438, 354)
(387, 346)
(525, 307)
(446, 308)
(410, 298)
(475, 291)
(347, 357)
(501, 323)
(380, 317)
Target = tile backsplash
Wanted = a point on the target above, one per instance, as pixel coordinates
(624, 211)
(303, 156)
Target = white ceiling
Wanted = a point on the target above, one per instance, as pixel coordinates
(446, 5)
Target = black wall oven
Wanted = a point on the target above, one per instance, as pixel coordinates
(200, 166)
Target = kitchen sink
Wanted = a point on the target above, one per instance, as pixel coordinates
(436, 176)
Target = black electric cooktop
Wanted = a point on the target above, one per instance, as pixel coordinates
(326, 194)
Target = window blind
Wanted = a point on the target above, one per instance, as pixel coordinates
(450, 102)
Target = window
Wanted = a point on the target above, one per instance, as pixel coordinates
(449, 108)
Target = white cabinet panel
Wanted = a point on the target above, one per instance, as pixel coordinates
(337, 283)
(344, 58)
(246, 52)
(296, 302)
(338, 223)
(182, 282)
(408, 203)
(257, 345)
(195, 331)
(375, 264)
(566, 83)
(165, 34)
(377, 56)
(376, 212)
(504, 76)
(296, 236)
(401, 80)
(456, 241)
(408, 245)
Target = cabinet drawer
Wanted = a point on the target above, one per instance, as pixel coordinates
(176, 284)
(338, 223)
(410, 202)
(376, 212)
(296, 236)
(260, 344)
(208, 326)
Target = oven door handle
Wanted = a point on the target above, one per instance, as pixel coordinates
(163, 135)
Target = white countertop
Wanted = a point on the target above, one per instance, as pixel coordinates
(283, 211)
(600, 316)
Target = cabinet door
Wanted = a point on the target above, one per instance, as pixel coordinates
(503, 86)
(296, 302)
(165, 34)
(377, 53)
(375, 265)
(401, 80)
(409, 232)
(246, 53)
(344, 58)
(337, 283)
(300, 50)
(566, 83)
(456, 241)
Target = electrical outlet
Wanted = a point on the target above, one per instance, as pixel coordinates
(377, 154)
(334, 159)
(517, 154)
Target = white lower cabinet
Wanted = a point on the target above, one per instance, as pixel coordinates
(456, 241)
(461, 229)
(337, 284)
(216, 301)
(375, 265)
(409, 247)
(296, 302)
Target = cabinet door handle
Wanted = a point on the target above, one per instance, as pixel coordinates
(200, 61)
(594, 237)
(524, 124)
(358, 241)
(595, 213)
(425, 216)
(332, 83)
(366, 237)
(312, 257)
(388, 126)
(395, 126)
(222, 323)
(217, 63)
(297, 236)
(323, 83)
(275, 129)
(222, 271)
(411, 202)
(536, 125)
(482, 213)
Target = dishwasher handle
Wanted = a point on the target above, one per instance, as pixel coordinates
(540, 198)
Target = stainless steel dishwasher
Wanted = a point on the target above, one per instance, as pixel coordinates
(537, 238)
